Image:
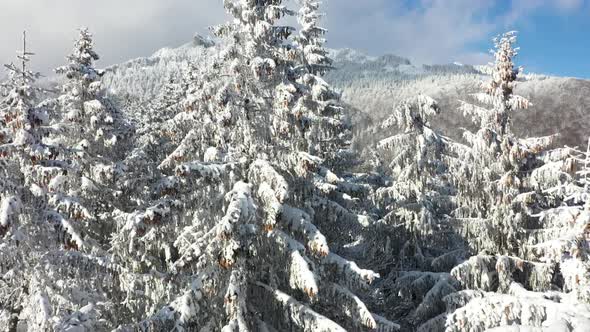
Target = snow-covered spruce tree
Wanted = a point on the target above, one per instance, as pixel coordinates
(62, 199)
(171, 95)
(421, 193)
(97, 124)
(21, 148)
(95, 129)
(498, 161)
(311, 38)
(512, 211)
(415, 207)
(548, 287)
(151, 195)
(326, 129)
(80, 188)
(574, 233)
(169, 102)
(233, 226)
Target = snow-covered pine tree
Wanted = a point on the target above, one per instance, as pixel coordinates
(420, 193)
(80, 187)
(63, 199)
(171, 95)
(98, 125)
(318, 110)
(168, 103)
(311, 38)
(18, 115)
(547, 285)
(233, 225)
(512, 196)
(408, 243)
(498, 161)
(160, 126)
(21, 148)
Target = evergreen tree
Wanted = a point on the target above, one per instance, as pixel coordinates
(512, 197)
(421, 192)
(234, 224)
(310, 40)
(80, 187)
(62, 201)
(415, 208)
(318, 111)
(168, 103)
(499, 161)
(97, 126)
(22, 230)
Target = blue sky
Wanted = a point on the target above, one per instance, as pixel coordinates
(554, 34)
(556, 44)
(553, 39)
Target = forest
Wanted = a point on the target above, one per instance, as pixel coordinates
(248, 195)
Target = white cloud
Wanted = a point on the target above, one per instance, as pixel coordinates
(430, 32)
(521, 9)
(123, 28)
(427, 31)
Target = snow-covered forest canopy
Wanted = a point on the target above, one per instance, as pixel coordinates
(255, 180)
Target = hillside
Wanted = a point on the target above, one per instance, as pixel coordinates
(373, 85)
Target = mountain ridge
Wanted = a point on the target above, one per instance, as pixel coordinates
(375, 84)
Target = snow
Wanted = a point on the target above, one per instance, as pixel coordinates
(300, 222)
(306, 319)
(213, 190)
(301, 277)
(348, 54)
(9, 207)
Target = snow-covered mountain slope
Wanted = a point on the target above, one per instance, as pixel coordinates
(560, 104)
(143, 78)
(373, 85)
